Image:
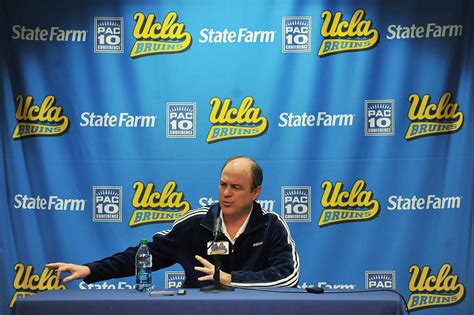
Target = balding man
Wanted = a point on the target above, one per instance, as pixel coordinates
(262, 252)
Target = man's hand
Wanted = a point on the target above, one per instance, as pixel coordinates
(208, 269)
(76, 271)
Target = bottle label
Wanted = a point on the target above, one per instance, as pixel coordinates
(144, 275)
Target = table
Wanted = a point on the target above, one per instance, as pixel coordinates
(238, 302)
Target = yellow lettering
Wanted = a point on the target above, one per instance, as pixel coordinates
(357, 197)
(147, 198)
(357, 27)
(146, 28)
(431, 111)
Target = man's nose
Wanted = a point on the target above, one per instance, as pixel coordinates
(227, 191)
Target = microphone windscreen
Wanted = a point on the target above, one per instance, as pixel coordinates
(316, 290)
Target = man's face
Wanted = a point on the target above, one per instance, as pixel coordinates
(235, 189)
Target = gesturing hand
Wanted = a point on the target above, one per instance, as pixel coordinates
(208, 269)
(76, 271)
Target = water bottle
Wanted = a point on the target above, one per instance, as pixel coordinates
(143, 263)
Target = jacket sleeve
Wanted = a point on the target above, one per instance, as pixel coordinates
(162, 249)
(283, 267)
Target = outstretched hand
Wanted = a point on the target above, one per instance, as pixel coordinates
(76, 271)
(208, 269)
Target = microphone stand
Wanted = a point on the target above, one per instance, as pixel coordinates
(217, 260)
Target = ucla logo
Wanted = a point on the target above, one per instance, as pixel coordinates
(27, 283)
(343, 36)
(433, 119)
(346, 206)
(296, 203)
(159, 38)
(428, 290)
(230, 122)
(107, 205)
(152, 206)
(44, 120)
(174, 279)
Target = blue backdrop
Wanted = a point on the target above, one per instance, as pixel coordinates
(117, 116)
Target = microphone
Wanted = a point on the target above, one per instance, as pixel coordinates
(217, 228)
(315, 290)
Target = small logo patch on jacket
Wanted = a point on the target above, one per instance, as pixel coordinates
(257, 244)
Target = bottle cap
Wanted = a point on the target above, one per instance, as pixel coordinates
(144, 241)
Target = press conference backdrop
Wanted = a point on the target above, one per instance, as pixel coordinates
(116, 118)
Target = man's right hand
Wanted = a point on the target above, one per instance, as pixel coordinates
(76, 271)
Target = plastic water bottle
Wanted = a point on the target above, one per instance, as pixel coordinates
(143, 263)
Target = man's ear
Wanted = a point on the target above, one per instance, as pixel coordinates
(257, 192)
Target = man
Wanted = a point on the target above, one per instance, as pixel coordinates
(262, 252)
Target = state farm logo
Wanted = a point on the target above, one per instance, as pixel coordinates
(49, 203)
(120, 120)
(428, 202)
(33, 120)
(429, 30)
(51, 34)
(229, 122)
(240, 35)
(159, 38)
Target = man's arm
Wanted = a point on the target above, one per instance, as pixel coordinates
(283, 264)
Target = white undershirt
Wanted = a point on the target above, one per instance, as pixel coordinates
(240, 231)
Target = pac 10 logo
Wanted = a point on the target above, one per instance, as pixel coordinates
(174, 279)
(296, 32)
(108, 35)
(107, 206)
(296, 203)
(380, 280)
(379, 118)
(181, 120)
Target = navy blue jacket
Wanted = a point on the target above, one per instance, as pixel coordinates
(263, 255)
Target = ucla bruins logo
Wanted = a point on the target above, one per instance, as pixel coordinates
(342, 206)
(229, 122)
(46, 119)
(343, 36)
(152, 206)
(429, 119)
(159, 38)
(27, 283)
(428, 290)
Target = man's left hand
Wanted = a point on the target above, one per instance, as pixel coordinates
(208, 269)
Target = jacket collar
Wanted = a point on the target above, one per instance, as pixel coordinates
(256, 220)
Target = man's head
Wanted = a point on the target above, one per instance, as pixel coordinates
(240, 184)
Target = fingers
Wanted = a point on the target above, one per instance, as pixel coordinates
(204, 262)
(55, 265)
(207, 268)
(70, 278)
(206, 278)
